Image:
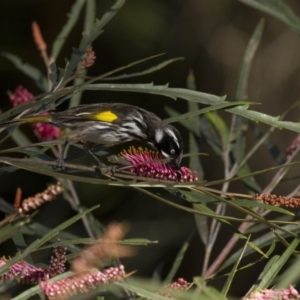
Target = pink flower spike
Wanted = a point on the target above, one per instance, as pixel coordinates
(26, 273)
(43, 131)
(81, 283)
(150, 164)
(46, 132)
(20, 95)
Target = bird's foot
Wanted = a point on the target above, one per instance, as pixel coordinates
(60, 164)
(106, 170)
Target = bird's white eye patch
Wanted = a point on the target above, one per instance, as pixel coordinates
(172, 134)
(172, 151)
(158, 135)
(164, 154)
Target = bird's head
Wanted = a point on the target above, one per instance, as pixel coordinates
(169, 142)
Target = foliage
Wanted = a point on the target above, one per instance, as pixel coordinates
(205, 120)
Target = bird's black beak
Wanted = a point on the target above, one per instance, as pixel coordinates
(175, 163)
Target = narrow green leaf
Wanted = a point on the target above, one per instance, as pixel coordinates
(269, 264)
(277, 9)
(254, 203)
(145, 72)
(39, 242)
(19, 256)
(239, 124)
(220, 126)
(20, 138)
(274, 269)
(267, 119)
(263, 241)
(234, 270)
(197, 112)
(89, 20)
(210, 135)
(242, 86)
(140, 291)
(79, 241)
(290, 276)
(20, 244)
(30, 71)
(205, 292)
(178, 260)
(88, 38)
(90, 15)
(53, 76)
(198, 97)
(8, 230)
(249, 181)
(61, 38)
(268, 253)
(136, 242)
(163, 90)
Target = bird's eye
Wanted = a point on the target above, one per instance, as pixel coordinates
(172, 151)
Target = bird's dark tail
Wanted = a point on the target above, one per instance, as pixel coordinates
(29, 119)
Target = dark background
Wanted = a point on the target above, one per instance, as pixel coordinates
(211, 35)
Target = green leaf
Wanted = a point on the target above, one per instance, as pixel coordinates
(271, 273)
(90, 15)
(263, 241)
(198, 97)
(142, 73)
(220, 126)
(163, 90)
(140, 291)
(254, 203)
(264, 118)
(290, 275)
(53, 76)
(39, 242)
(136, 242)
(277, 9)
(239, 124)
(205, 292)
(8, 230)
(242, 86)
(89, 20)
(210, 135)
(178, 260)
(20, 138)
(197, 112)
(88, 38)
(20, 244)
(30, 71)
(67, 242)
(61, 38)
(234, 270)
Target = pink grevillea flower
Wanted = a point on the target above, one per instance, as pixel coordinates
(41, 130)
(276, 294)
(173, 289)
(20, 95)
(26, 273)
(46, 131)
(81, 283)
(147, 163)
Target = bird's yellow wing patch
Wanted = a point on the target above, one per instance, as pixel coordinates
(106, 116)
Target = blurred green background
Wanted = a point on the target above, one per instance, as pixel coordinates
(211, 36)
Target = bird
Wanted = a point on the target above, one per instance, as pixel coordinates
(111, 124)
